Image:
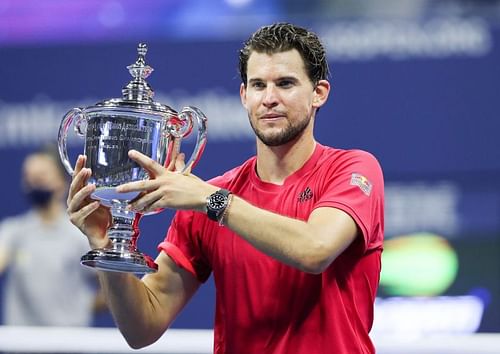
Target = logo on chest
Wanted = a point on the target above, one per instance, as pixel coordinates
(306, 195)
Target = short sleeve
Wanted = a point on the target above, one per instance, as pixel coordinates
(183, 245)
(355, 185)
(7, 236)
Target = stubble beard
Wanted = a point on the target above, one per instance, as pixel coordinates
(283, 136)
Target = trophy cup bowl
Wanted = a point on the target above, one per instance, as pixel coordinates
(110, 129)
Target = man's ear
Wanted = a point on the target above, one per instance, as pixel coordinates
(243, 94)
(321, 92)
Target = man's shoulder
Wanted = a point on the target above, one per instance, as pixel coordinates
(234, 173)
(13, 228)
(339, 155)
(18, 220)
(347, 152)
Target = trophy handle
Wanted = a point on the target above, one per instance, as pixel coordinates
(63, 134)
(191, 114)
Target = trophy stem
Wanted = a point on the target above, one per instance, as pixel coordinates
(122, 255)
(124, 232)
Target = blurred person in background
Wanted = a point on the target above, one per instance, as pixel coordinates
(293, 236)
(45, 284)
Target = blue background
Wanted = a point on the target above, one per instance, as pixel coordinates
(427, 120)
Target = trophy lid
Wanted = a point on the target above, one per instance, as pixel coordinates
(137, 93)
(138, 89)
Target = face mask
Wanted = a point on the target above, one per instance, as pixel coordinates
(39, 197)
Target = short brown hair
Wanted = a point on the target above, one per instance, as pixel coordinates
(50, 150)
(280, 37)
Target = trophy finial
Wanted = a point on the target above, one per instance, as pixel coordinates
(142, 49)
(138, 89)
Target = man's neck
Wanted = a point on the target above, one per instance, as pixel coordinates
(276, 163)
(51, 212)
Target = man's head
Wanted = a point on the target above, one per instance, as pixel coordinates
(283, 69)
(282, 37)
(44, 177)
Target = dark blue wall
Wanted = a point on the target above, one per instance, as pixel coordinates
(425, 119)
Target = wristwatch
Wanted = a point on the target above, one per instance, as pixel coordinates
(217, 204)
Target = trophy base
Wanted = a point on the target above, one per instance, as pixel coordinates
(113, 261)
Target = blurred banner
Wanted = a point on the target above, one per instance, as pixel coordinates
(423, 97)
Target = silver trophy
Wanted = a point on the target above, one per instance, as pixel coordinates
(113, 127)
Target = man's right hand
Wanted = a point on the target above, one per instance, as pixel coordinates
(92, 218)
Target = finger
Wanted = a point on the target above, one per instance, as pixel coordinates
(79, 216)
(153, 167)
(138, 186)
(75, 203)
(80, 163)
(156, 206)
(139, 196)
(78, 182)
(143, 203)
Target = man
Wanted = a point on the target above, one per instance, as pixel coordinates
(45, 285)
(293, 236)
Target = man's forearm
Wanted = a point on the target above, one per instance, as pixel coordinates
(133, 306)
(307, 245)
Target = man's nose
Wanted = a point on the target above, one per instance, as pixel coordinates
(270, 96)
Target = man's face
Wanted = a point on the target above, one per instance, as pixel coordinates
(279, 97)
(41, 172)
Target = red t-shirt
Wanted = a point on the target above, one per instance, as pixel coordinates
(265, 306)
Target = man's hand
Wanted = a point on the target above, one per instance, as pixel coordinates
(167, 187)
(92, 218)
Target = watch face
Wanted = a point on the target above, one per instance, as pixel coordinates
(217, 201)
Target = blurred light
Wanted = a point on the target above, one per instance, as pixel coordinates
(435, 38)
(36, 22)
(419, 206)
(4, 6)
(420, 316)
(238, 3)
(421, 264)
(112, 14)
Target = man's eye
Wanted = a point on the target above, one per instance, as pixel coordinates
(285, 83)
(258, 85)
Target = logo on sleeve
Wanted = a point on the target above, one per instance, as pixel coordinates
(362, 182)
